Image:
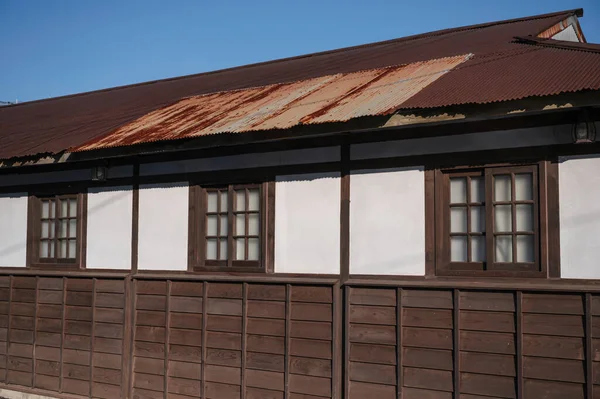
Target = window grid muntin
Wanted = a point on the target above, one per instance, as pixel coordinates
(55, 219)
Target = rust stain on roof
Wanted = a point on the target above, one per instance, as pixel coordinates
(331, 98)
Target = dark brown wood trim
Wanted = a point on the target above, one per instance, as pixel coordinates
(244, 339)
(430, 224)
(346, 338)
(128, 322)
(269, 234)
(204, 338)
(456, 342)
(553, 222)
(135, 217)
(519, 343)
(62, 333)
(336, 344)
(35, 328)
(399, 356)
(8, 326)
(92, 337)
(345, 213)
(589, 347)
(287, 344)
(83, 208)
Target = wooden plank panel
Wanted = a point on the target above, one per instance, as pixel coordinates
(231, 307)
(360, 390)
(222, 374)
(185, 337)
(439, 380)
(184, 320)
(75, 371)
(487, 301)
(369, 353)
(49, 325)
(75, 298)
(265, 379)
(77, 342)
(548, 324)
(50, 297)
(385, 315)
(224, 357)
(433, 318)
(150, 334)
(374, 373)
(149, 349)
(107, 360)
(111, 286)
(552, 390)
(21, 322)
(372, 334)
(215, 390)
(107, 376)
(107, 345)
(185, 353)
(20, 364)
(303, 293)
(224, 323)
(265, 361)
(46, 367)
(80, 284)
(109, 300)
(225, 290)
(310, 385)
(23, 295)
(21, 336)
(266, 292)
(82, 313)
(487, 363)
(151, 287)
(139, 393)
(372, 296)
(311, 311)
(223, 340)
(149, 366)
(432, 299)
(417, 393)
(183, 386)
(264, 344)
(266, 327)
(310, 329)
(554, 369)
(427, 358)
(46, 353)
(553, 303)
(148, 381)
(184, 369)
(19, 378)
(185, 304)
(266, 309)
(310, 348)
(259, 393)
(150, 318)
(78, 327)
(110, 315)
(105, 391)
(50, 283)
(73, 356)
(20, 309)
(47, 382)
(151, 302)
(24, 282)
(187, 288)
(479, 341)
(50, 311)
(488, 385)
(21, 350)
(487, 321)
(427, 338)
(77, 387)
(555, 347)
(108, 330)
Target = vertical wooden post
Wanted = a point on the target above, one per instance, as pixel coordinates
(35, 322)
(337, 342)
(399, 382)
(62, 333)
(244, 337)
(167, 337)
(135, 213)
(345, 213)
(456, 336)
(288, 325)
(10, 296)
(589, 351)
(128, 326)
(346, 340)
(519, 342)
(93, 336)
(204, 326)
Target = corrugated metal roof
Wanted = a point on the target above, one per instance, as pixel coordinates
(51, 126)
(331, 98)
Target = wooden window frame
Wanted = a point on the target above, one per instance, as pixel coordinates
(197, 231)
(546, 222)
(34, 223)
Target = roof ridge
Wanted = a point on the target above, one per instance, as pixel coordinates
(558, 44)
(578, 12)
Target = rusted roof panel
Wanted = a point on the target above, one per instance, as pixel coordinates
(332, 98)
(53, 125)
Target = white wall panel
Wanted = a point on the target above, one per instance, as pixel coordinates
(109, 228)
(568, 34)
(163, 226)
(13, 230)
(387, 222)
(579, 198)
(307, 224)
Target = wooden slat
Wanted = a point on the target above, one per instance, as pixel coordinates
(488, 385)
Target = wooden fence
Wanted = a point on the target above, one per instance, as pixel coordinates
(151, 337)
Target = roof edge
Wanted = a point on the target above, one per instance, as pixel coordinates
(560, 44)
(578, 12)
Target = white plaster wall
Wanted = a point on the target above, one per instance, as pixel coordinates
(307, 224)
(464, 142)
(13, 230)
(568, 34)
(387, 222)
(163, 226)
(109, 228)
(278, 158)
(579, 198)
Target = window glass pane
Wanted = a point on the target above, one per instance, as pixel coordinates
(223, 232)
(458, 249)
(62, 249)
(72, 208)
(240, 200)
(73, 228)
(52, 230)
(211, 225)
(253, 225)
(223, 249)
(72, 248)
(477, 189)
(51, 250)
(64, 204)
(240, 224)
(62, 228)
(503, 249)
(478, 249)
(523, 186)
(525, 252)
(458, 220)
(211, 201)
(253, 249)
(502, 188)
(240, 249)
(45, 229)
(458, 190)
(223, 201)
(45, 209)
(502, 218)
(211, 248)
(253, 200)
(524, 217)
(477, 219)
(43, 249)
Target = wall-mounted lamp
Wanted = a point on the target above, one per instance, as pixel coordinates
(99, 173)
(584, 130)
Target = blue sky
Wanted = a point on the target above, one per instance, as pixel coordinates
(59, 47)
